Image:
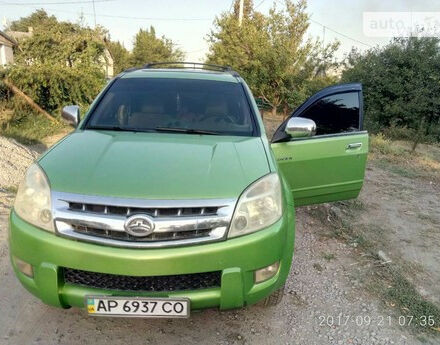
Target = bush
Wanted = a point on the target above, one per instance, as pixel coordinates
(379, 143)
(19, 121)
(52, 87)
(4, 91)
(405, 133)
(401, 87)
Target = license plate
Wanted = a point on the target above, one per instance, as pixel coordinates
(137, 306)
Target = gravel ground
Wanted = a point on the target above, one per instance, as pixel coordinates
(324, 302)
(14, 159)
(408, 220)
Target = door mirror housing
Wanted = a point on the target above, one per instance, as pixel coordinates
(70, 113)
(300, 127)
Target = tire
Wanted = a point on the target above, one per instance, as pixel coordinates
(274, 298)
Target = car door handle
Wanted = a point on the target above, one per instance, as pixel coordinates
(354, 146)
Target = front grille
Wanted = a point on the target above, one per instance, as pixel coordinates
(124, 236)
(194, 281)
(174, 222)
(153, 212)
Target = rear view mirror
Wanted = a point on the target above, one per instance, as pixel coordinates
(299, 127)
(71, 114)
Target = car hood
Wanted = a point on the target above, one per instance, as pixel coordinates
(154, 165)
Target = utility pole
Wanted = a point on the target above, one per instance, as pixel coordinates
(94, 11)
(240, 12)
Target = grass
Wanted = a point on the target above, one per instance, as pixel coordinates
(379, 144)
(428, 217)
(404, 171)
(340, 218)
(9, 189)
(29, 127)
(329, 256)
(353, 204)
(318, 267)
(398, 292)
(397, 157)
(386, 281)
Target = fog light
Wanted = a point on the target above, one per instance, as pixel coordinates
(266, 273)
(24, 267)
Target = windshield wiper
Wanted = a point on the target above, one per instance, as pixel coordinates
(114, 128)
(185, 130)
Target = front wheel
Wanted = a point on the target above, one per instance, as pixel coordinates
(274, 298)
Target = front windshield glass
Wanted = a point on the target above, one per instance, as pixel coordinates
(180, 105)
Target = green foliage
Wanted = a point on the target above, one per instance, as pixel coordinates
(25, 125)
(395, 287)
(30, 128)
(36, 19)
(60, 63)
(64, 44)
(147, 48)
(121, 56)
(4, 90)
(382, 145)
(150, 48)
(401, 86)
(53, 86)
(271, 52)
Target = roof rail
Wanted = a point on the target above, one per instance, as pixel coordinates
(190, 65)
(130, 69)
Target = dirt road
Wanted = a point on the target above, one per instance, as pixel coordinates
(325, 304)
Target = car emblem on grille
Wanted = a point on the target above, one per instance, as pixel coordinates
(139, 225)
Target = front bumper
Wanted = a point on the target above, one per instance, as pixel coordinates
(236, 258)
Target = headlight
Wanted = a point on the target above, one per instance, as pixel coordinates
(259, 206)
(32, 202)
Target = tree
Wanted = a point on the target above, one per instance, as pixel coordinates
(62, 43)
(401, 85)
(59, 63)
(121, 56)
(271, 52)
(149, 48)
(37, 18)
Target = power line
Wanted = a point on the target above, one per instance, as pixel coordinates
(52, 3)
(232, 5)
(260, 3)
(325, 27)
(94, 12)
(115, 16)
(149, 18)
(340, 33)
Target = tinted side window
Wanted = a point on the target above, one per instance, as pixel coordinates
(335, 114)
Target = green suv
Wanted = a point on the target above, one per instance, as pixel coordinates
(168, 197)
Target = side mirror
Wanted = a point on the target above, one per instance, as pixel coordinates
(70, 113)
(300, 127)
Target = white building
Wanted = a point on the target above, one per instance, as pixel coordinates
(7, 44)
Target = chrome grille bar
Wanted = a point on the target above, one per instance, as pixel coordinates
(177, 222)
(165, 224)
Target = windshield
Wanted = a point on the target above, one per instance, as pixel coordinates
(175, 105)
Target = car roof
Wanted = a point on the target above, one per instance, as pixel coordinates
(179, 73)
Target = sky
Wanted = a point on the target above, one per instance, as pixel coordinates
(188, 22)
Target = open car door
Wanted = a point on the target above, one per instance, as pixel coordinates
(326, 162)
